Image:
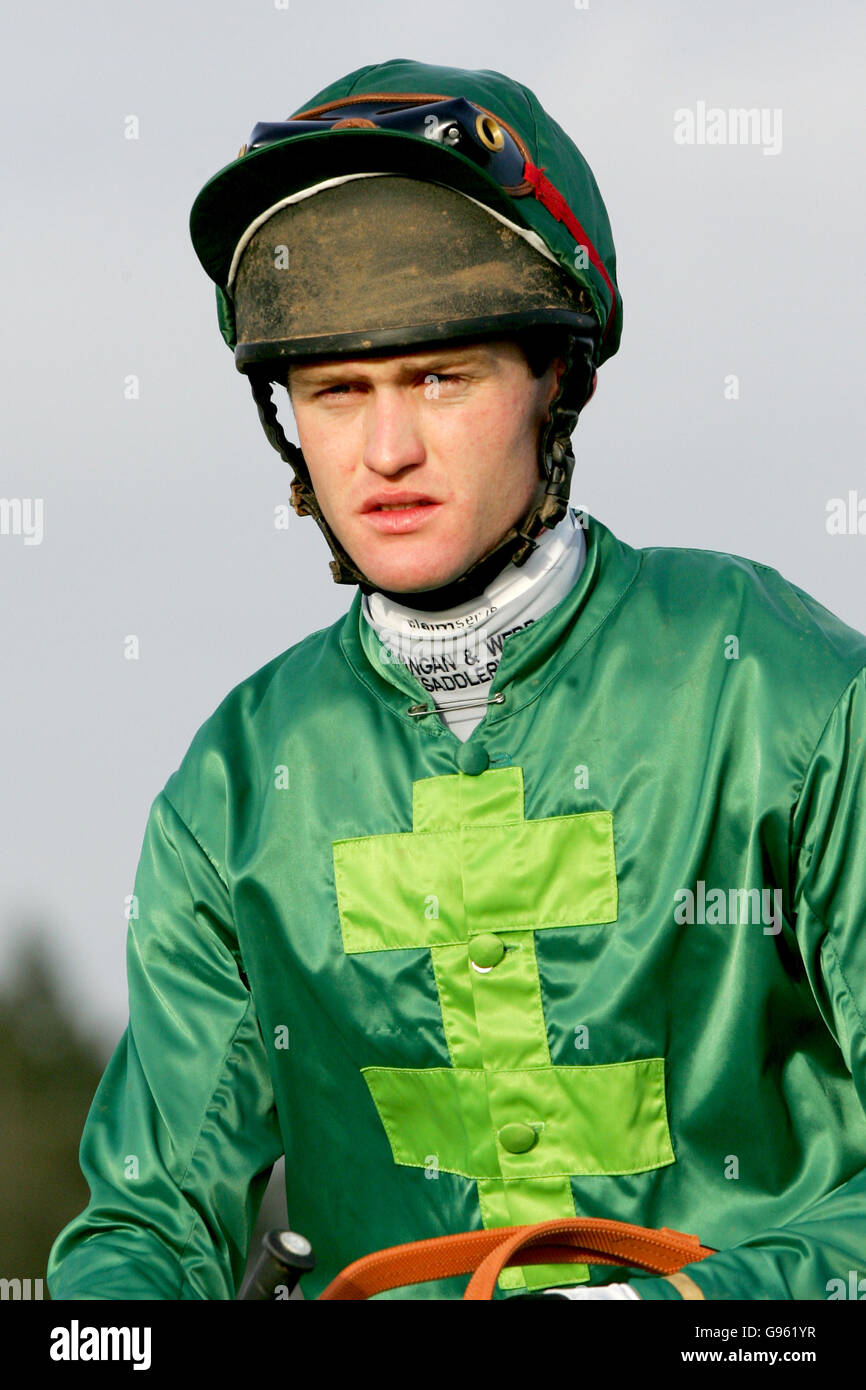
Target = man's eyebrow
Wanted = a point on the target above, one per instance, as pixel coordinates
(315, 375)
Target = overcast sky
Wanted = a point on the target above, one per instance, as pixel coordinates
(158, 512)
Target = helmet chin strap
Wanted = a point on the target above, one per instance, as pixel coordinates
(556, 463)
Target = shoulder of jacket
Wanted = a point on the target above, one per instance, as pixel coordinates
(724, 587)
(222, 755)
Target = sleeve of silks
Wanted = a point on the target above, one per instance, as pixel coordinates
(821, 1252)
(182, 1134)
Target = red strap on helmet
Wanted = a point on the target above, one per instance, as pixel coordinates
(556, 205)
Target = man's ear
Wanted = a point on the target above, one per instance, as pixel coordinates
(558, 364)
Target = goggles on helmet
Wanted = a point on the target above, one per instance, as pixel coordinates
(456, 122)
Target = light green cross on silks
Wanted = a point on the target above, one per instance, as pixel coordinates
(473, 881)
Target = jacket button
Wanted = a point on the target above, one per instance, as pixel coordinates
(517, 1138)
(473, 758)
(486, 951)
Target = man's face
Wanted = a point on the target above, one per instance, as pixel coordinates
(452, 431)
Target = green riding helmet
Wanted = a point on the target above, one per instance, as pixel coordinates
(406, 206)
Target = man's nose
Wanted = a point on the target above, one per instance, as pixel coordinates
(392, 438)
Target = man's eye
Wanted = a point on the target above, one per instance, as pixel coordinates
(343, 388)
(340, 391)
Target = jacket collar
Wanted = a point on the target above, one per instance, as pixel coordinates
(531, 658)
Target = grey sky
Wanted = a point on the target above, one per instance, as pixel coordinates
(158, 512)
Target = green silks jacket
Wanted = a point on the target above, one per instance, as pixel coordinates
(606, 958)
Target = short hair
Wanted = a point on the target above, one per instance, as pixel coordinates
(541, 346)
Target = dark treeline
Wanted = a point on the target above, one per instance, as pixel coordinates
(49, 1070)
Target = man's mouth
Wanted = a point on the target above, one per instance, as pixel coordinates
(398, 501)
(396, 518)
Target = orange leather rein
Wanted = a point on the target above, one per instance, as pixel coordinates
(484, 1254)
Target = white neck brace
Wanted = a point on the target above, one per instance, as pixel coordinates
(454, 654)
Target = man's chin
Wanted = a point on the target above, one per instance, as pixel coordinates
(407, 580)
(398, 585)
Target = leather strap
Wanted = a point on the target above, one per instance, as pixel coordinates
(685, 1287)
(569, 1240)
(605, 1242)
